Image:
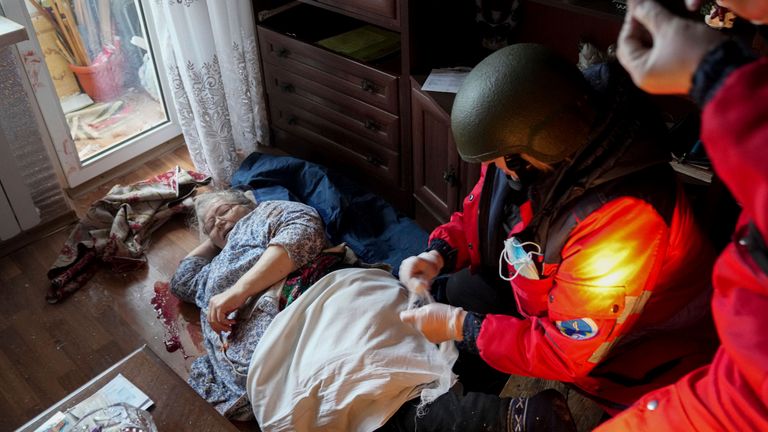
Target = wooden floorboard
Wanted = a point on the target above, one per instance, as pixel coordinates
(47, 351)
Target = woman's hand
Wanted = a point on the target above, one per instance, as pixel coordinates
(273, 265)
(417, 272)
(661, 51)
(223, 304)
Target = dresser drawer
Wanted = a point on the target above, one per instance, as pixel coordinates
(385, 12)
(340, 144)
(357, 117)
(346, 76)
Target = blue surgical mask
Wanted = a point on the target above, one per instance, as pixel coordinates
(515, 255)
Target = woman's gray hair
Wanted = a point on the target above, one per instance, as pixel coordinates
(204, 202)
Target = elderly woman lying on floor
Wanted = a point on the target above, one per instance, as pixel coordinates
(247, 249)
(339, 358)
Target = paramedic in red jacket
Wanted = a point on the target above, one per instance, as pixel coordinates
(575, 176)
(731, 394)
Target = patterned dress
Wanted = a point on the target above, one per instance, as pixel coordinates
(219, 376)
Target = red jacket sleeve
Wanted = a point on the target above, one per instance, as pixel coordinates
(735, 134)
(732, 392)
(454, 232)
(610, 258)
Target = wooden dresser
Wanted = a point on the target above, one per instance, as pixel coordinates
(370, 119)
(331, 108)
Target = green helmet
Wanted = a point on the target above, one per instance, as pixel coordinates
(522, 99)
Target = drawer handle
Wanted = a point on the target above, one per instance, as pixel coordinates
(293, 120)
(449, 175)
(283, 52)
(373, 160)
(371, 125)
(287, 88)
(368, 86)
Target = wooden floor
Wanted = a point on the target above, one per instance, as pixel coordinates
(48, 351)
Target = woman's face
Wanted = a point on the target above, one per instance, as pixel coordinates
(220, 219)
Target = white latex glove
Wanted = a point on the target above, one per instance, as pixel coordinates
(417, 272)
(661, 51)
(437, 321)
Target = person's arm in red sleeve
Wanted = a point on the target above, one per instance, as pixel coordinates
(730, 393)
(725, 395)
(613, 255)
(735, 133)
(450, 239)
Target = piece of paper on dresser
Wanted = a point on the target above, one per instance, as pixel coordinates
(116, 391)
(446, 80)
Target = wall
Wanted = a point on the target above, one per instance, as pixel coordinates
(27, 136)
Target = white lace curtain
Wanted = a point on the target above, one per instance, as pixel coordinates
(210, 52)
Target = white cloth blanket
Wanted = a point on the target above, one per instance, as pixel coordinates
(340, 359)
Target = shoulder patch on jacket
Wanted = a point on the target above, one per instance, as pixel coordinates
(578, 329)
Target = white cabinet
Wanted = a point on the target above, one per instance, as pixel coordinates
(17, 210)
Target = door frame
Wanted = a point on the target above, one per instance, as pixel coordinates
(72, 170)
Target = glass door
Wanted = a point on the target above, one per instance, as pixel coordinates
(96, 73)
